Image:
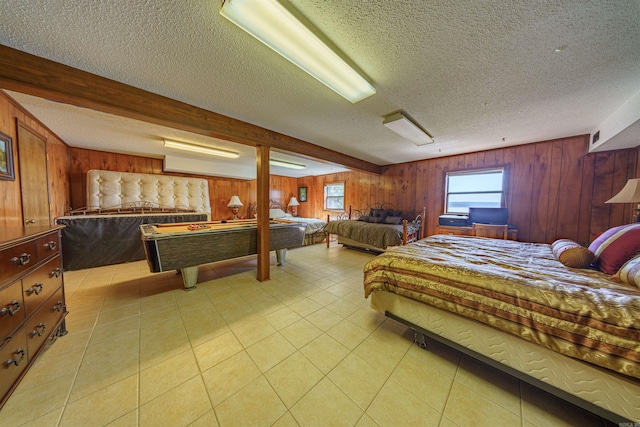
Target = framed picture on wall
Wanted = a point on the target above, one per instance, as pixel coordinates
(6, 158)
(302, 194)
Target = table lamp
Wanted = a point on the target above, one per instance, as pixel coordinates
(293, 204)
(630, 193)
(234, 204)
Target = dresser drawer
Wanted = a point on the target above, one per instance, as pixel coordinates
(40, 327)
(13, 361)
(11, 309)
(39, 285)
(47, 246)
(17, 260)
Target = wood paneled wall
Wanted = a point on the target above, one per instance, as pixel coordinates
(57, 165)
(220, 189)
(555, 189)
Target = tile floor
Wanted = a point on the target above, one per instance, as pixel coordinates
(301, 349)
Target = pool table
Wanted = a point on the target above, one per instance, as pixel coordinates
(185, 246)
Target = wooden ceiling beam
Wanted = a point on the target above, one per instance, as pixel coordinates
(33, 75)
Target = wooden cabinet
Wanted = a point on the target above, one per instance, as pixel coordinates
(32, 300)
(468, 231)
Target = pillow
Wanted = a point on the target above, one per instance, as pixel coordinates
(572, 254)
(393, 220)
(377, 219)
(364, 218)
(629, 273)
(376, 212)
(392, 212)
(616, 246)
(276, 213)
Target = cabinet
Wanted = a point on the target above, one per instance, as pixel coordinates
(468, 231)
(32, 300)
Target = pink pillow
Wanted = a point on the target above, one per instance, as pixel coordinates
(616, 246)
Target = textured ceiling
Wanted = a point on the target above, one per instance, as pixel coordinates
(476, 74)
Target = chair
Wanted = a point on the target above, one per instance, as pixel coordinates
(491, 231)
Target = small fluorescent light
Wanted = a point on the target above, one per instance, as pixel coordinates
(200, 149)
(403, 126)
(284, 164)
(276, 26)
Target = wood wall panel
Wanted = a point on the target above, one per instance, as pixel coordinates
(555, 189)
(57, 165)
(220, 189)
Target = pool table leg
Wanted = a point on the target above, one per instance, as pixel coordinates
(280, 254)
(189, 277)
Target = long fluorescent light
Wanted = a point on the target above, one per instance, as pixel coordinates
(283, 164)
(403, 126)
(277, 27)
(200, 149)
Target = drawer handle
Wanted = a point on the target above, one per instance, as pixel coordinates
(51, 245)
(13, 308)
(35, 289)
(55, 273)
(59, 306)
(21, 259)
(16, 361)
(39, 330)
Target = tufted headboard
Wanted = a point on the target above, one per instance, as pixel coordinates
(110, 190)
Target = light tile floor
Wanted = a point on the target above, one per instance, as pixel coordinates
(303, 348)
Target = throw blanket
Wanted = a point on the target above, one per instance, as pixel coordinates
(522, 289)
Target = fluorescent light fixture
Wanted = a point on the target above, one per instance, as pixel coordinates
(278, 27)
(284, 164)
(200, 149)
(403, 126)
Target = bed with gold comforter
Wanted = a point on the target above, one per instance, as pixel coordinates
(521, 291)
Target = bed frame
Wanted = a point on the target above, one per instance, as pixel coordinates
(417, 218)
(609, 395)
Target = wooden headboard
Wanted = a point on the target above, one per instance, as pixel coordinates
(112, 190)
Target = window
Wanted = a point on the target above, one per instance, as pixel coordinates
(478, 188)
(334, 196)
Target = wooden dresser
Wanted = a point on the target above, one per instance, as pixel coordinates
(468, 231)
(32, 301)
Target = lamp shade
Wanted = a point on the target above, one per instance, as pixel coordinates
(630, 193)
(294, 202)
(234, 202)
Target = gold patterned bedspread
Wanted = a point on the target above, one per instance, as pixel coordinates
(378, 235)
(522, 289)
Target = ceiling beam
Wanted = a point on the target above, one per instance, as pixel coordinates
(33, 75)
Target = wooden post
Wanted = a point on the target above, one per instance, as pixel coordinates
(262, 208)
(328, 235)
(405, 239)
(424, 221)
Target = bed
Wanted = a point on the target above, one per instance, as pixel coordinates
(375, 228)
(107, 230)
(574, 332)
(314, 228)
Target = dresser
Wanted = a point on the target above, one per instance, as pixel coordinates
(32, 301)
(468, 231)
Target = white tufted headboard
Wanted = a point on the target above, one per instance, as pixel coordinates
(109, 190)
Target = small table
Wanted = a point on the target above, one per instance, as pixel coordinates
(186, 246)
